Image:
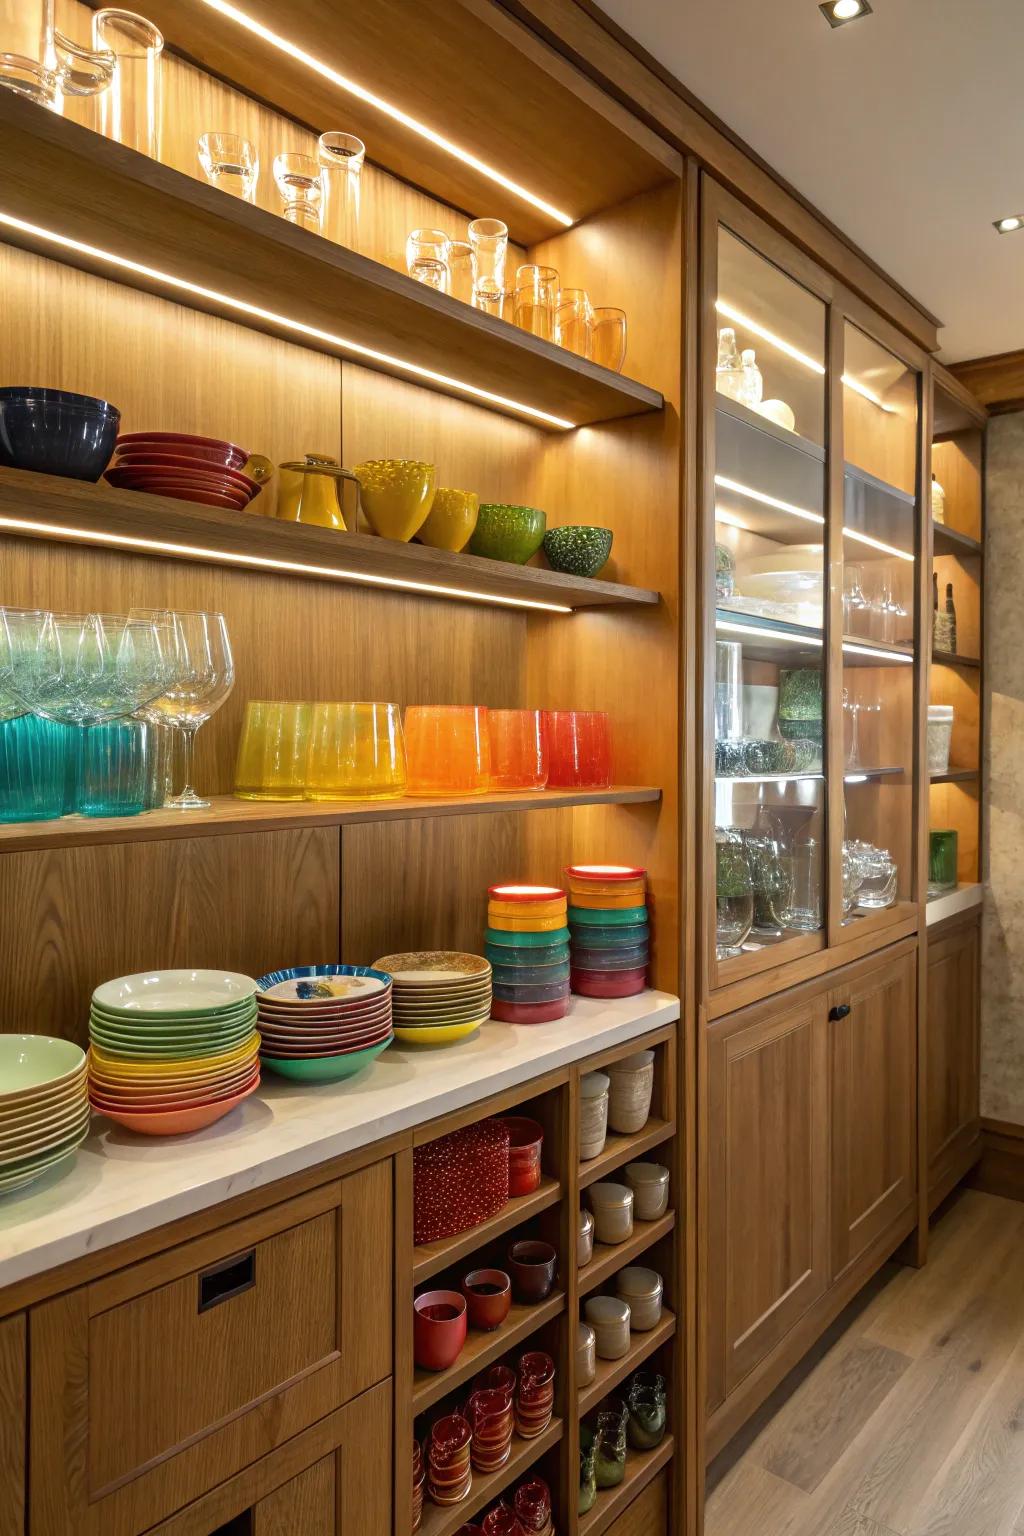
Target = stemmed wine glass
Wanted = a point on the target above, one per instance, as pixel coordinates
(204, 675)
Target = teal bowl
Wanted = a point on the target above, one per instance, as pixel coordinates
(505, 532)
(578, 549)
(326, 1069)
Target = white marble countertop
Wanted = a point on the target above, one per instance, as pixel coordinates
(938, 908)
(120, 1185)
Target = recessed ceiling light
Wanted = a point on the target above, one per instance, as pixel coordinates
(1010, 223)
(838, 12)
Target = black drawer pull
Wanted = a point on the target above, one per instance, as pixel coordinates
(840, 1011)
(221, 1283)
(241, 1525)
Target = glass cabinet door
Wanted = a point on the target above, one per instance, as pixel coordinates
(880, 412)
(766, 420)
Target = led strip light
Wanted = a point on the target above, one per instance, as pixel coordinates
(344, 83)
(355, 349)
(850, 647)
(739, 489)
(739, 318)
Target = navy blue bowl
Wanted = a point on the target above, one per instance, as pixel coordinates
(56, 396)
(73, 437)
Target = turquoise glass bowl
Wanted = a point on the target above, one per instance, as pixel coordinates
(507, 532)
(326, 1069)
(33, 767)
(578, 549)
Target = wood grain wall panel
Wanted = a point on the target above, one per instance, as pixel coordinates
(956, 806)
(423, 884)
(964, 575)
(13, 1410)
(78, 916)
(956, 465)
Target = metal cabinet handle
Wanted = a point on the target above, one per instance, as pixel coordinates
(840, 1011)
(226, 1280)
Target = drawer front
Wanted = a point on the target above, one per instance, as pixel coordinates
(159, 1382)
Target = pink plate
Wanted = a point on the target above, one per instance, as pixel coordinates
(177, 1122)
(230, 454)
(172, 465)
(170, 1094)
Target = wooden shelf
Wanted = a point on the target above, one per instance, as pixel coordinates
(610, 1257)
(752, 421)
(77, 512)
(429, 1258)
(641, 1467)
(955, 776)
(72, 182)
(487, 1486)
(480, 1349)
(625, 1149)
(226, 814)
(611, 1372)
(946, 541)
(954, 659)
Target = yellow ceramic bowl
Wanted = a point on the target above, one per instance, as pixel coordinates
(451, 520)
(119, 1066)
(438, 1034)
(397, 495)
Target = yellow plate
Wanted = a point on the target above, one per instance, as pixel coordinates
(526, 924)
(438, 1034)
(118, 1066)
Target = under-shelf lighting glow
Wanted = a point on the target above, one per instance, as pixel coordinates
(886, 549)
(739, 318)
(298, 327)
(766, 500)
(855, 778)
(265, 563)
(868, 394)
(850, 649)
(344, 83)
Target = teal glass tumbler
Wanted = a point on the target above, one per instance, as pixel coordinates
(113, 770)
(33, 764)
(942, 861)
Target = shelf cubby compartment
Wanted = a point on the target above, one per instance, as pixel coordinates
(608, 1258)
(430, 1258)
(619, 1150)
(482, 1349)
(611, 1372)
(641, 1468)
(947, 541)
(439, 1521)
(143, 223)
(954, 659)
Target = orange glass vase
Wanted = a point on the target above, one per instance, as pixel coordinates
(448, 749)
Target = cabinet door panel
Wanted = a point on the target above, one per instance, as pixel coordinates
(768, 1148)
(952, 1044)
(873, 1059)
(12, 1425)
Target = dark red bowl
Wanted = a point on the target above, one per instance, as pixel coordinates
(488, 1294)
(608, 983)
(439, 1329)
(532, 1267)
(229, 453)
(529, 1013)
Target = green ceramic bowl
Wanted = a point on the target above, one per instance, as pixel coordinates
(577, 549)
(505, 532)
(325, 1069)
(32, 1062)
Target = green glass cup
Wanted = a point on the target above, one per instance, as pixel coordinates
(942, 861)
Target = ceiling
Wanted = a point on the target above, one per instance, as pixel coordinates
(905, 128)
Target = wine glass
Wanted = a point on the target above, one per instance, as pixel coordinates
(156, 712)
(205, 675)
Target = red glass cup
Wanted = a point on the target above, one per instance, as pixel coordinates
(519, 758)
(579, 749)
(492, 1419)
(533, 1505)
(502, 1521)
(496, 1378)
(526, 1138)
(488, 1297)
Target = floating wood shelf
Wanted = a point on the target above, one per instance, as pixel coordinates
(430, 1258)
(641, 1468)
(69, 181)
(439, 1521)
(619, 1150)
(610, 1257)
(955, 776)
(611, 1372)
(954, 659)
(946, 541)
(75, 511)
(480, 1349)
(226, 814)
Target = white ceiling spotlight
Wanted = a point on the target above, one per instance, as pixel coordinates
(1012, 222)
(838, 12)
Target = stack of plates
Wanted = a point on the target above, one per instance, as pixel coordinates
(321, 1023)
(520, 920)
(173, 1051)
(609, 929)
(202, 469)
(439, 995)
(44, 1105)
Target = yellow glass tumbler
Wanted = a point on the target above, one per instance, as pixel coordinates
(356, 752)
(272, 751)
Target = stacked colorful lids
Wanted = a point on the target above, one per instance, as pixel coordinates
(44, 1106)
(439, 995)
(528, 946)
(609, 929)
(322, 1023)
(173, 1051)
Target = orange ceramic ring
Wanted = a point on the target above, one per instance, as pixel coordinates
(526, 924)
(527, 913)
(620, 899)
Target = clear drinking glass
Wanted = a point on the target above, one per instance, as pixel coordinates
(81, 669)
(536, 300)
(460, 270)
(728, 690)
(771, 873)
(573, 321)
(131, 110)
(608, 330)
(489, 241)
(297, 178)
(805, 914)
(856, 607)
(341, 157)
(81, 71)
(230, 163)
(734, 893)
(426, 258)
(205, 676)
(26, 60)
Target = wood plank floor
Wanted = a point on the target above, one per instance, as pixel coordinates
(913, 1423)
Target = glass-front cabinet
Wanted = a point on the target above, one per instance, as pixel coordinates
(810, 550)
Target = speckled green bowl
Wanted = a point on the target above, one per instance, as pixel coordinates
(577, 549)
(505, 532)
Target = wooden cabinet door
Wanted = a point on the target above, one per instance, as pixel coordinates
(768, 1178)
(872, 1034)
(13, 1408)
(952, 1044)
